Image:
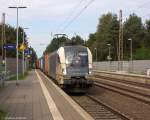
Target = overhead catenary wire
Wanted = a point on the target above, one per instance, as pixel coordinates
(75, 8)
(85, 7)
(77, 15)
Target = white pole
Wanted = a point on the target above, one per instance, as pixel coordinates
(96, 54)
(131, 54)
(109, 58)
(131, 50)
(17, 48)
(17, 41)
(23, 56)
(5, 44)
(131, 58)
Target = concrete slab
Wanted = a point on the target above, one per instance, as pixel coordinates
(25, 101)
(67, 107)
(38, 98)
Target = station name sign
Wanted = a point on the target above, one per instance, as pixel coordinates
(10, 46)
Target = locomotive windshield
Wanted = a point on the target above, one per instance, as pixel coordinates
(76, 57)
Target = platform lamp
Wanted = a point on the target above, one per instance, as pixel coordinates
(17, 32)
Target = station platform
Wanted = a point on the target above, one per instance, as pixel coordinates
(38, 98)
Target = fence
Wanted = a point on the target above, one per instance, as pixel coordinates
(137, 66)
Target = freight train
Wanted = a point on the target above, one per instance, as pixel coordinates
(69, 66)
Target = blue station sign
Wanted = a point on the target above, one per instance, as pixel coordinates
(10, 46)
(27, 52)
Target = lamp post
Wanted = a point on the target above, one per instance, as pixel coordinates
(109, 48)
(131, 56)
(23, 65)
(95, 54)
(131, 53)
(17, 7)
(109, 55)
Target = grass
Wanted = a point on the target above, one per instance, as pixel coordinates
(20, 77)
(2, 115)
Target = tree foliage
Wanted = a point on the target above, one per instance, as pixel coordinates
(108, 33)
(134, 29)
(55, 44)
(77, 40)
(33, 58)
(147, 34)
(10, 33)
(61, 41)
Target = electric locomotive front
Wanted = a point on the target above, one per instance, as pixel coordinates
(78, 65)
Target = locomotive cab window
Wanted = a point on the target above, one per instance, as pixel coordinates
(77, 58)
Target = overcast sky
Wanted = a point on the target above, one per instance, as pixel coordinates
(44, 17)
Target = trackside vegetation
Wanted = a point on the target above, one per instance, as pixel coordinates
(107, 32)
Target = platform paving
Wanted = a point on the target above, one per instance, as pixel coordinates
(28, 101)
(25, 101)
(68, 108)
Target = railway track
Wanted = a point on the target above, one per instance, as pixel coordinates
(97, 109)
(136, 91)
(96, 102)
(136, 81)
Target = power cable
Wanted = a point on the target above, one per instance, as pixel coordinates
(78, 14)
(76, 7)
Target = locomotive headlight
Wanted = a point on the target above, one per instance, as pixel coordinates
(64, 71)
(67, 62)
(90, 68)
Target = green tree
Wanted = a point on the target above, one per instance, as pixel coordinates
(134, 29)
(91, 40)
(55, 44)
(114, 36)
(33, 58)
(61, 41)
(107, 33)
(147, 32)
(90, 43)
(142, 53)
(11, 38)
(77, 40)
